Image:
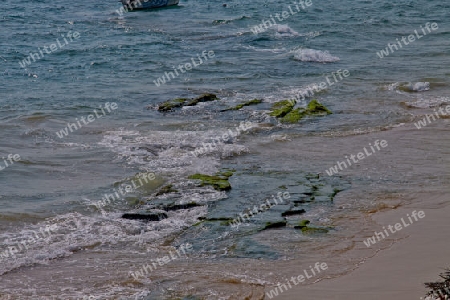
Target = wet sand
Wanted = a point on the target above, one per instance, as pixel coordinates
(419, 252)
(399, 271)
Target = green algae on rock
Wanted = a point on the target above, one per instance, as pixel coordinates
(248, 103)
(198, 223)
(166, 190)
(282, 108)
(226, 174)
(171, 104)
(285, 110)
(219, 181)
(294, 115)
(203, 98)
(278, 224)
(335, 192)
(316, 108)
(303, 225)
(180, 102)
(293, 212)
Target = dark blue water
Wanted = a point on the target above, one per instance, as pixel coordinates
(118, 58)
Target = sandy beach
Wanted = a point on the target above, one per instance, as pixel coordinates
(395, 273)
(419, 253)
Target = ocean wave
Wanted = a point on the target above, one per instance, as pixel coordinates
(423, 102)
(285, 30)
(311, 34)
(272, 50)
(219, 22)
(64, 235)
(312, 55)
(415, 87)
(408, 87)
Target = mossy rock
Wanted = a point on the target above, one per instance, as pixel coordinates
(198, 223)
(248, 103)
(310, 176)
(226, 222)
(166, 190)
(293, 212)
(182, 206)
(219, 182)
(303, 225)
(203, 98)
(335, 192)
(278, 224)
(294, 115)
(226, 174)
(282, 108)
(179, 102)
(171, 104)
(312, 230)
(285, 110)
(316, 108)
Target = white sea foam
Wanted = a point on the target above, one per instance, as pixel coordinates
(402, 88)
(314, 56)
(428, 102)
(285, 30)
(418, 86)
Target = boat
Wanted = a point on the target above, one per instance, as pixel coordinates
(147, 4)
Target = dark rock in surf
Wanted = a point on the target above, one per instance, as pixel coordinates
(293, 212)
(170, 105)
(145, 216)
(181, 206)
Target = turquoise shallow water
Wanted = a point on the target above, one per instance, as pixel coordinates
(117, 58)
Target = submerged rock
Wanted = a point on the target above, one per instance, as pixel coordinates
(181, 206)
(166, 190)
(316, 108)
(293, 212)
(285, 110)
(248, 103)
(203, 98)
(171, 104)
(303, 225)
(145, 216)
(282, 108)
(180, 102)
(294, 115)
(278, 224)
(219, 181)
(335, 192)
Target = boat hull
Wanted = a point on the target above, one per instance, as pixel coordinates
(147, 4)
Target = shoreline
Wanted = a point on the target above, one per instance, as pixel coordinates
(398, 272)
